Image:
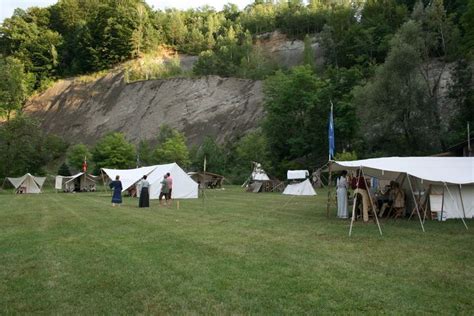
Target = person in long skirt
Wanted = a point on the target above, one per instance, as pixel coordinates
(116, 185)
(144, 200)
(342, 186)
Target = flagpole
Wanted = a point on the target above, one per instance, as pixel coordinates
(330, 155)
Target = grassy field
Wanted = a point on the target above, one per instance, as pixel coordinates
(237, 253)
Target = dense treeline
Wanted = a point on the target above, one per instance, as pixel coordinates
(385, 66)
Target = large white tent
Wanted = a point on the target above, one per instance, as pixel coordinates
(183, 186)
(27, 183)
(454, 176)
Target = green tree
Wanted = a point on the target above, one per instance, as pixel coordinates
(467, 22)
(393, 104)
(114, 151)
(215, 158)
(64, 170)
(308, 52)
(76, 155)
(15, 86)
(35, 45)
(173, 150)
(22, 147)
(145, 153)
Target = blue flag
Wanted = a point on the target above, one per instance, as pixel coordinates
(331, 139)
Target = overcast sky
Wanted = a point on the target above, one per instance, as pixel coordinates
(7, 6)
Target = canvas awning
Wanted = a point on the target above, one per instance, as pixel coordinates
(454, 170)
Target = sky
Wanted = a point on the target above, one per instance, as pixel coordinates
(8, 6)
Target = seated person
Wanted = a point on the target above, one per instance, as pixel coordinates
(383, 197)
(396, 198)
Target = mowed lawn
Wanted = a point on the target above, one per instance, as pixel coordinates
(234, 253)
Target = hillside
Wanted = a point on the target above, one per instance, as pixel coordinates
(214, 106)
(223, 108)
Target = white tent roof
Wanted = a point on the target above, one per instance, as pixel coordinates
(302, 188)
(297, 174)
(31, 183)
(456, 170)
(183, 186)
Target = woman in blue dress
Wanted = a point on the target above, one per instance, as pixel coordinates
(117, 196)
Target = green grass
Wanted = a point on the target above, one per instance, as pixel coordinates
(237, 253)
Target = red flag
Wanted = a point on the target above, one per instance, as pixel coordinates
(84, 165)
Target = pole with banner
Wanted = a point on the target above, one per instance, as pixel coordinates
(331, 143)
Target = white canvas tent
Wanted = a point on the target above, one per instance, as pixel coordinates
(258, 174)
(27, 183)
(454, 174)
(302, 188)
(183, 186)
(87, 182)
(297, 174)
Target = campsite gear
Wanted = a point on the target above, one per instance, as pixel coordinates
(184, 186)
(27, 184)
(116, 185)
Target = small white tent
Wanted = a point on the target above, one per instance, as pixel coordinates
(183, 186)
(87, 182)
(299, 188)
(302, 188)
(27, 183)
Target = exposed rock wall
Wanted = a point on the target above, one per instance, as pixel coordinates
(214, 106)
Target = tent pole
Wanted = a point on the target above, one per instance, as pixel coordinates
(329, 189)
(416, 203)
(354, 206)
(452, 198)
(372, 206)
(427, 198)
(462, 202)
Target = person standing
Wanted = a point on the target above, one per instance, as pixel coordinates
(164, 191)
(341, 188)
(116, 185)
(170, 186)
(144, 200)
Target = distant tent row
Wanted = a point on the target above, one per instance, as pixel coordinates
(183, 186)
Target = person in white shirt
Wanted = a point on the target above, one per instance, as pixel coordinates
(341, 188)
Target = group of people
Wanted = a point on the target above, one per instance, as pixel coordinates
(144, 187)
(392, 197)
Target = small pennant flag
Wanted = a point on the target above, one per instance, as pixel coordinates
(84, 165)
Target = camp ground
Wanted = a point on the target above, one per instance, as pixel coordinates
(443, 185)
(80, 182)
(184, 187)
(27, 183)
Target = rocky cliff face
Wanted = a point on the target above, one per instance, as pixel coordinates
(214, 106)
